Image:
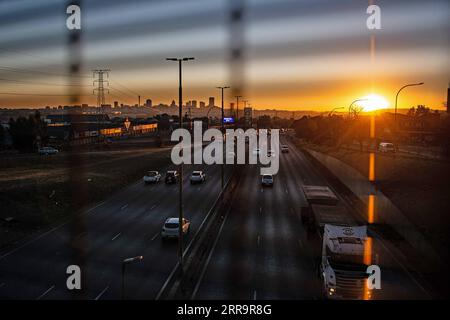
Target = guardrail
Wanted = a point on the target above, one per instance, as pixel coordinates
(181, 283)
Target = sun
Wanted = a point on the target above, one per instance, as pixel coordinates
(373, 102)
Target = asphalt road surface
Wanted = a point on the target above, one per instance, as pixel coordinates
(127, 224)
(264, 252)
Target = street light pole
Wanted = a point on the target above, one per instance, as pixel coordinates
(180, 202)
(396, 97)
(223, 137)
(124, 263)
(353, 102)
(245, 107)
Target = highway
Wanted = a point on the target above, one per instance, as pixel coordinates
(127, 224)
(264, 252)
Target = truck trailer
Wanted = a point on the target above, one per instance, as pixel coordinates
(342, 265)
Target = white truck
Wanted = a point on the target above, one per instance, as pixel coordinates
(342, 264)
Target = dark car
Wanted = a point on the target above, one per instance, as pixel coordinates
(171, 177)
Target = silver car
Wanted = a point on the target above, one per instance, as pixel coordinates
(47, 151)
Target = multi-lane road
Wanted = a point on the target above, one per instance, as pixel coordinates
(262, 251)
(127, 224)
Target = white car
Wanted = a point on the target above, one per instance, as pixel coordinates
(386, 147)
(47, 151)
(267, 180)
(152, 177)
(284, 148)
(197, 177)
(171, 228)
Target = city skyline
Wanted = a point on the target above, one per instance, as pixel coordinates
(304, 56)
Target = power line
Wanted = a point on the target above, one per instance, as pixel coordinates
(126, 88)
(123, 92)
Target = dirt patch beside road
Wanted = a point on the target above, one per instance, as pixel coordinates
(35, 191)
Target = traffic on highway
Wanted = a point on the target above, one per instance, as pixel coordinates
(224, 158)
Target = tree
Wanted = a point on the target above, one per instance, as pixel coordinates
(419, 111)
(28, 133)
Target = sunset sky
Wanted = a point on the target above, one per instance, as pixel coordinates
(300, 54)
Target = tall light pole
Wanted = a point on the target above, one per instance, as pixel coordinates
(223, 137)
(180, 202)
(396, 97)
(245, 106)
(124, 263)
(237, 107)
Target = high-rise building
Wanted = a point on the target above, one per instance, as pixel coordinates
(116, 104)
(194, 104)
(211, 102)
(231, 109)
(148, 103)
(173, 104)
(202, 104)
(188, 104)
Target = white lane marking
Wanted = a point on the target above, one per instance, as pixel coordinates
(300, 243)
(2, 285)
(258, 241)
(116, 236)
(199, 188)
(155, 236)
(101, 203)
(260, 209)
(101, 293)
(286, 191)
(262, 190)
(153, 207)
(48, 232)
(254, 294)
(45, 292)
(124, 207)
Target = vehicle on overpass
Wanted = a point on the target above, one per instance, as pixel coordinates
(267, 180)
(342, 264)
(47, 151)
(152, 177)
(197, 177)
(171, 228)
(171, 176)
(284, 148)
